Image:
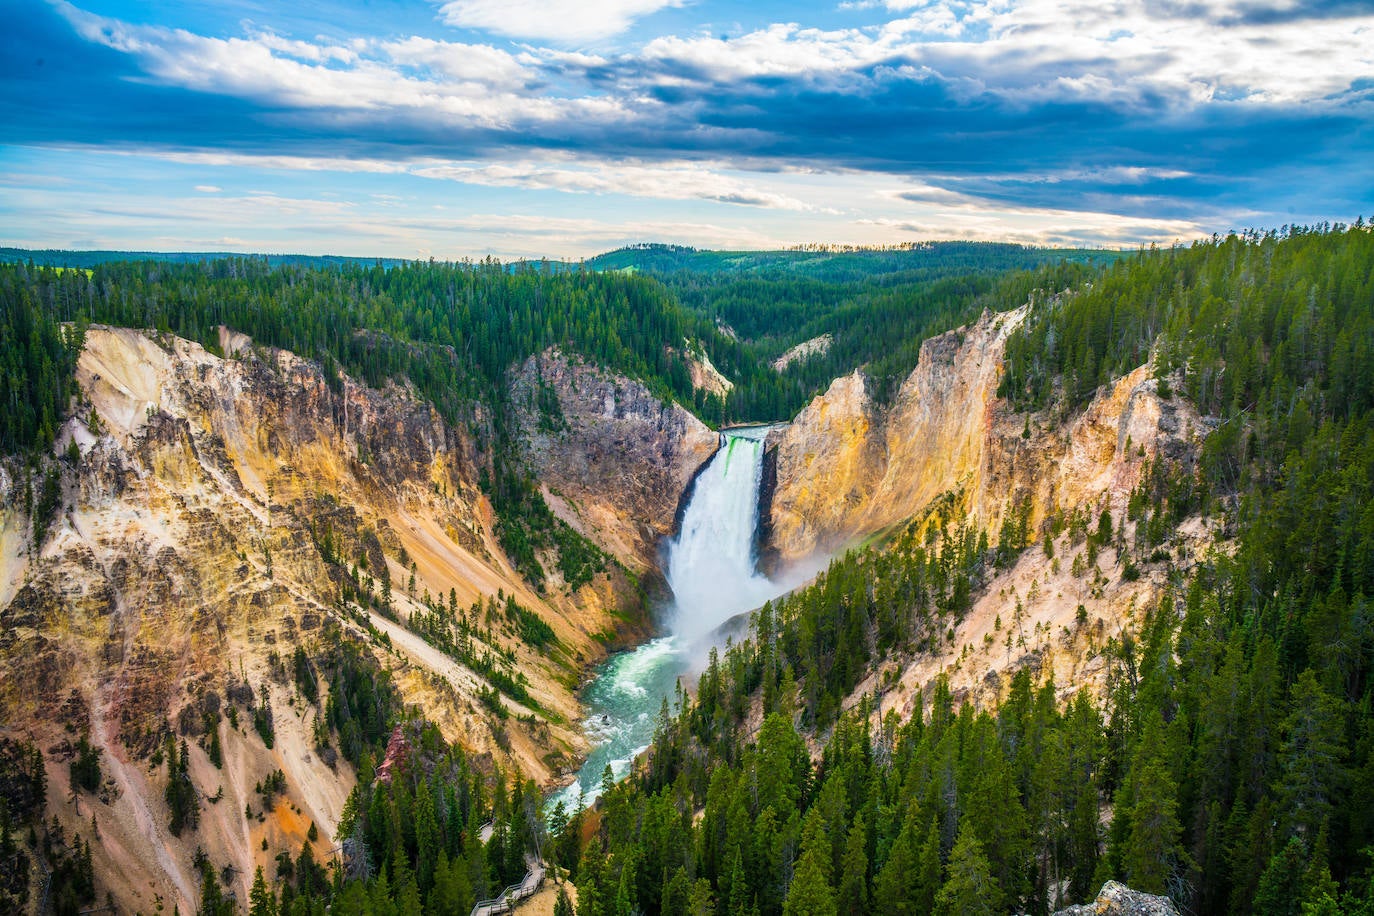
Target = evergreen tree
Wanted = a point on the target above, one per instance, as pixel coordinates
(809, 893)
(969, 888)
(852, 894)
(262, 901)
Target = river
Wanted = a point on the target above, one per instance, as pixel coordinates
(712, 570)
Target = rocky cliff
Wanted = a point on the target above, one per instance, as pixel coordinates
(613, 458)
(848, 469)
(214, 515)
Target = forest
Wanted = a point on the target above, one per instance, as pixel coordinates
(453, 330)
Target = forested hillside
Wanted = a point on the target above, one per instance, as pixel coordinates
(454, 329)
(845, 264)
(450, 330)
(59, 257)
(1228, 763)
(878, 305)
(876, 323)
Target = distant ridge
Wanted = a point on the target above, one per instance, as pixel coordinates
(58, 257)
(926, 260)
(841, 263)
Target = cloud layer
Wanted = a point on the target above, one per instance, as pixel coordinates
(1157, 116)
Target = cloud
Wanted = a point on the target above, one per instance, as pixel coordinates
(559, 21)
(662, 181)
(208, 189)
(1182, 110)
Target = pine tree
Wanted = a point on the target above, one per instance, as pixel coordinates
(1281, 887)
(896, 888)
(928, 870)
(261, 900)
(809, 893)
(853, 890)
(1310, 767)
(969, 888)
(452, 891)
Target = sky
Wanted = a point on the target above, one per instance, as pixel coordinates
(563, 128)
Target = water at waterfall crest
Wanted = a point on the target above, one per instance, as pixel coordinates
(710, 567)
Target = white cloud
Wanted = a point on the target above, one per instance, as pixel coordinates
(1037, 226)
(568, 174)
(420, 80)
(662, 181)
(1046, 50)
(783, 49)
(463, 62)
(560, 21)
(532, 101)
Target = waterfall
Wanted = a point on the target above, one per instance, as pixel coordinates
(710, 564)
(710, 568)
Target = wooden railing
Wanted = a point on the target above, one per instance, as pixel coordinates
(505, 901)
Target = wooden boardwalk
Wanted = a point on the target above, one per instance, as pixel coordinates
(505, 901)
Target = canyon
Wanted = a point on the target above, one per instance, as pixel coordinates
(205, 494)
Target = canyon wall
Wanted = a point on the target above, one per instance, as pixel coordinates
(209, 512)
(612, 458)
(848, 469)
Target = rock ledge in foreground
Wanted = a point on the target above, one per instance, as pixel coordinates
(1117, 899)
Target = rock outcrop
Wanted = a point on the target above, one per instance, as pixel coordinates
(1117, 899)
(816, 346)
(847, 469)
(613, 458)
(824, 468)
(704, 374)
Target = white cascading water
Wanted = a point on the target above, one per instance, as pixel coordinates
(710, 568)
(711, 562)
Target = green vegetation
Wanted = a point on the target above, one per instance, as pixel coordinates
(363, 704)
(921, 261)
(1228, 762)
(23, 795)
(85, 766)
(1232, 748)
(37, 359)
(462, 636)
(532, 628)
(878, 323)
(182, 798)
(453, 331)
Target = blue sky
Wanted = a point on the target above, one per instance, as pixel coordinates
(527, 128)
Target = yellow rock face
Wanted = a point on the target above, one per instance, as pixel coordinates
(187, 554)
(880, 467)
(847, 469)
(829, 462)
